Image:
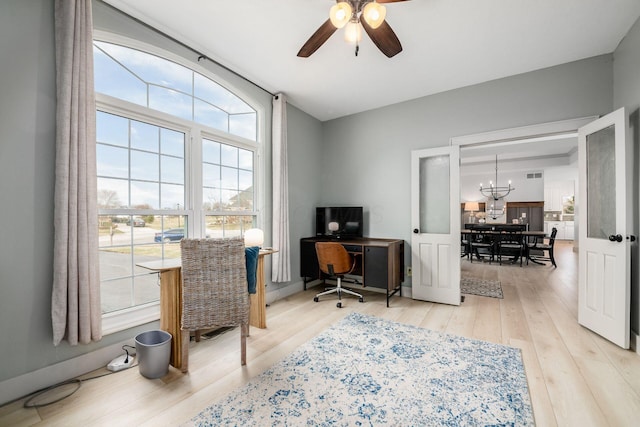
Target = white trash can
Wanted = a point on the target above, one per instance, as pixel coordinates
(153, 350)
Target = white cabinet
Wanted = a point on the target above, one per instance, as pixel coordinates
(554, 191)
(569, 230)
(565, 229)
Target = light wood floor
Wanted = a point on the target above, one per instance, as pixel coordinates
(575, 377)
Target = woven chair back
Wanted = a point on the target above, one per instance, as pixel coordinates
(331, 253)
(214, 283)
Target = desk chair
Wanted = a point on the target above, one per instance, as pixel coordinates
(335, 261)
(214, 287)
(536, 247)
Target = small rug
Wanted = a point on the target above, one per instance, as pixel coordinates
(482, 287)
(366, 371)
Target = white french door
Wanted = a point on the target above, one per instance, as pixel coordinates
(605, 230)
(435, 220)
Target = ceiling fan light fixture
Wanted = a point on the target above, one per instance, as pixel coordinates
(374, 13)
(353, 32)
(340, 14)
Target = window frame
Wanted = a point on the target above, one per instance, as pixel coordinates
(194, 134)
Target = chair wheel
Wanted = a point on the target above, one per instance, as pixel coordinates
(339, 305)
(361, 299)
(315, 299)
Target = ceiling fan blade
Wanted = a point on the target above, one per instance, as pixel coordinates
(384, 38)
(390, 1)
(321, 35)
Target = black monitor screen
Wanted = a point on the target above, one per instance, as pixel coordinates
(339, 221)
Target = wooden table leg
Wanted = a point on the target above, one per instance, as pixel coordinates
(171, 313)
(258, 311)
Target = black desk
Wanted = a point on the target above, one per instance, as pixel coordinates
(380, 262)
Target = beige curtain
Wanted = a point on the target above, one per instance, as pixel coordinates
(75, 301)
(281, 260)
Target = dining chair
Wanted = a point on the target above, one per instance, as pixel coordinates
(482, 243)
(511, 244)
(214, 287)
(536, 250)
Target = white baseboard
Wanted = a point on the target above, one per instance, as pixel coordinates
(23, 385)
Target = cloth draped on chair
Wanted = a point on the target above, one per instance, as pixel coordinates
(251, 260)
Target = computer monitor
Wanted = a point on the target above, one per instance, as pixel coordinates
(339, 221)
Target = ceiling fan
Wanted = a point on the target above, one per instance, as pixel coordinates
(351, 14)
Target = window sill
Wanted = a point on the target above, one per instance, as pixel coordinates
(126, 319)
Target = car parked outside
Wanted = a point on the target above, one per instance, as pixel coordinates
(138, 222)
(171, 235)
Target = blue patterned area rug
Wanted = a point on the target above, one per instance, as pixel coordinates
(366, 371)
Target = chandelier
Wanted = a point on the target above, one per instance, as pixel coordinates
(496, 192)
(496, 209)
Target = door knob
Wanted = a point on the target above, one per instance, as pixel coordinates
(616, 238)
(416, 231)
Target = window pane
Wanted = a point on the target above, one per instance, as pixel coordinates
(211, 175)
(229, 155)
(213, 93)
(172, 142)
(243, 125)
(113, 193)
(209, 115)
(229, 199)
(245, 201)
(145, 194)
(151, 68)
(210, 151)
(112, 79)
(116, 294)
(170, 102)
(144, 136)
(246, 159)
(172, 170)
(434, 195)
(172, 196)
(229, 178)
(211, 199)
(601, 181)
(144, 166)
(112, 161)
(245, 180)
(112, 129)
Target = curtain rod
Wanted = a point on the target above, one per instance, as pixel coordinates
(201, 56)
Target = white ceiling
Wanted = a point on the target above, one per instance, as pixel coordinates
(447, 44)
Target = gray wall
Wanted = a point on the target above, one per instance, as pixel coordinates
(626, 93)
(370, 152)
(304, 142)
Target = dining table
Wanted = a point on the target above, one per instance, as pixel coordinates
(492, 234)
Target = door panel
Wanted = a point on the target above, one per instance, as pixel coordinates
(435, 206)
(604, 278)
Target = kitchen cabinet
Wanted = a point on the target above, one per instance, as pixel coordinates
(554, 191)
(565, 229)
(569, 230)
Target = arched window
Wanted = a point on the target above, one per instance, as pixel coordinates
(163, 85)
(176, 157)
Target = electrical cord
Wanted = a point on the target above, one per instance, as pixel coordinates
(77, 381)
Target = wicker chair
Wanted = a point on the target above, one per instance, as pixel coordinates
(214, 288)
